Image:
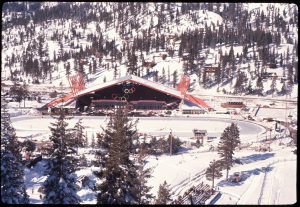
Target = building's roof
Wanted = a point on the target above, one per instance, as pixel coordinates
(202, 131)
(68, 104)
(187, 105)
(134, 79)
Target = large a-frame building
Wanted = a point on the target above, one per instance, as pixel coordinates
(132, 91)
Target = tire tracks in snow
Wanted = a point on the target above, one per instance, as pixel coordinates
(262, 196)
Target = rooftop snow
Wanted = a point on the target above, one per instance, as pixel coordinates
(157, 86)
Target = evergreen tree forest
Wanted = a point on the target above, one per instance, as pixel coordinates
(226, 49)
(13, 189)
(261, 34)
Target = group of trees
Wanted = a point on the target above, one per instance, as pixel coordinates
(229, 140)
(121, 161)
(235, 29)
(13, 189)
(19, 92)
(162, 146)
(120, 156)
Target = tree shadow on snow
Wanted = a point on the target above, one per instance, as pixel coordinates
(182, 150)
(88, 196)
(34, 201)
(244, 175)
(255, 157)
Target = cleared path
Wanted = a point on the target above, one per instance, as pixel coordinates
(180, 126)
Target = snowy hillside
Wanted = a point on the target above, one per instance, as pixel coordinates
(107, 40)
(232, 139)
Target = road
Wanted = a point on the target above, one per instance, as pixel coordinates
(228, 97)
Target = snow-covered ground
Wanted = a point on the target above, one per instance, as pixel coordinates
(269, 177)
(265, 181)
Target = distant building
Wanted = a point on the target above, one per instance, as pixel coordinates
(233, 104)
(210, 68)
(200, 135)
(133, 91)
(190, 108)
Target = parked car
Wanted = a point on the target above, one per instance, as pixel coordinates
(235, 177)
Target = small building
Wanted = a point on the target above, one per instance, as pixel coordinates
(149, 64)
(210, 68)
(200, 134)
(266, 75)
(272, 65)
(185, 56)
(233, 104)
(191, 108)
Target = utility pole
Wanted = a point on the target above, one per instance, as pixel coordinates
(171, 141)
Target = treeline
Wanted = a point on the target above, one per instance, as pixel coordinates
(257, 37)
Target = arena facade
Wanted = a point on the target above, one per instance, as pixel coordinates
(133, 92)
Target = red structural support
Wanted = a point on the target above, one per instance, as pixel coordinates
(183, 87)
(76, 83)
(59, 100)
(183, 84)
(197, 101)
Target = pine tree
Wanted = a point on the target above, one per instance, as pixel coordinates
(229, 140)
(249, 88)
(68, 67)
(175, 76)
(13, 189)
(213, 171)
(93, 144)
(144, 195)
(21, 92)
(283, 88)
(86, 141)
(240, 81)
(120, 179)
(60, 185)
(102, 145)
(115, 72)
(163, 195)
(79, 137)
(163, 76)
(259, 85)
(273, 86)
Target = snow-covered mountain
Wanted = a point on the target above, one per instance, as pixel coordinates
(44, 42)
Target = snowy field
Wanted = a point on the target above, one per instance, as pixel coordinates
(269, 177)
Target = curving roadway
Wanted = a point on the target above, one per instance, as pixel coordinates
(180, 126)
